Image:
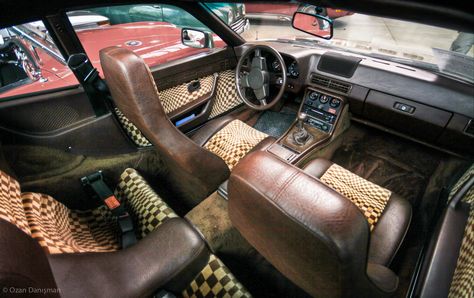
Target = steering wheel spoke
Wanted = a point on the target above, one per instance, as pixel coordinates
(244, 81)
(262, 93)
(259, 62)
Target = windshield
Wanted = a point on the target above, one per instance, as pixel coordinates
(410, 43)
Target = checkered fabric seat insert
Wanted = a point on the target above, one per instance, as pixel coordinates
(215, 280)
(61, 230)
(234, 141)
(370, 198)
(462, 284)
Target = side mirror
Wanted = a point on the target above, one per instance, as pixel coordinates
(313, 24)
(196, 38)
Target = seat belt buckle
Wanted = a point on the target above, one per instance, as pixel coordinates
(112, 202)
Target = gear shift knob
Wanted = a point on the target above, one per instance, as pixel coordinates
(301, 135)
(301, 118)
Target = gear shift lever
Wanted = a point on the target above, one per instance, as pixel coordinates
(301, 135)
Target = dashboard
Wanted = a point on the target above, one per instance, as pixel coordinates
(421, 105)
(291, 64)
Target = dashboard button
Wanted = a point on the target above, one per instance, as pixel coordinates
(324, 98)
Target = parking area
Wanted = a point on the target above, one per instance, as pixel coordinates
(370, 34)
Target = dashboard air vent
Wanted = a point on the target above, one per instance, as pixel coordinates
(331, 84)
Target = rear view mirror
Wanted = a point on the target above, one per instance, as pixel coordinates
(196, 38)
(313, 24)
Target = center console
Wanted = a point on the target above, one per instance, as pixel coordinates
(317, 119)
(322, 110)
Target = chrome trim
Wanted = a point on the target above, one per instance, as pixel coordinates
(38, 44)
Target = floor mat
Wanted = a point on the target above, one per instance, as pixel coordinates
(399, 165)
(405, 168)
(275, 124)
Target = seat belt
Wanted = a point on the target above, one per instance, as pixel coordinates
(102, 192)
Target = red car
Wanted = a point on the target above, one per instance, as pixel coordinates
(30, 61)
(285, 11)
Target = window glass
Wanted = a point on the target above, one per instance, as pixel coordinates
(30, 61)
(429, 47)
(152, 31)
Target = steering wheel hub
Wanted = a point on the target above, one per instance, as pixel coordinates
(256, 78)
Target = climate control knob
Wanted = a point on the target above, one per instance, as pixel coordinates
(324, 98)
(335, 103)
(314, 95)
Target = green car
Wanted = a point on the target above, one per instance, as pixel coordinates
(231, 13)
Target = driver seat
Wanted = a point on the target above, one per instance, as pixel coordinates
(194, 168)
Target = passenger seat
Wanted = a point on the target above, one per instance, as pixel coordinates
(78, 252)
(388, 214)
(326, 229)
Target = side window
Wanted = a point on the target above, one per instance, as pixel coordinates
(156, 32)
(30, 61)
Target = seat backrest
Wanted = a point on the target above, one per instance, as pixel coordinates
(24, 267)
(309, 232)
(194, 172)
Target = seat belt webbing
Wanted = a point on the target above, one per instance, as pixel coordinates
(96, 182)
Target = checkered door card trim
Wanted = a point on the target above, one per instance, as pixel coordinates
(226, 98)
(226, 94)
(176, 97)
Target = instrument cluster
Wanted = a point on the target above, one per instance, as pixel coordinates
(292, 68)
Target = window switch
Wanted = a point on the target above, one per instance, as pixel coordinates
(404, 107)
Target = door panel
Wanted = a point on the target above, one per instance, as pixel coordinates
(214, 95)
(63, 120)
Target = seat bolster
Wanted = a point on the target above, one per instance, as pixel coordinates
(172, 254)
(263, 145)
(382, 277)
(207, 131)
(317, 167)
(388, 234)
(23, 264)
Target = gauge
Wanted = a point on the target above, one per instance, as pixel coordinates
(293, 70)
(276, 66)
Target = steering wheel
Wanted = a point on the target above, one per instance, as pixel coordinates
(258, 78)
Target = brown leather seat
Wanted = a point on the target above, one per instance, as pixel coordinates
(388, 233)
(314, 235)
(195, 169)
(73, 253)
(168, 258)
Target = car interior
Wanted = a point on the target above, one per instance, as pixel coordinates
(263, 168)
